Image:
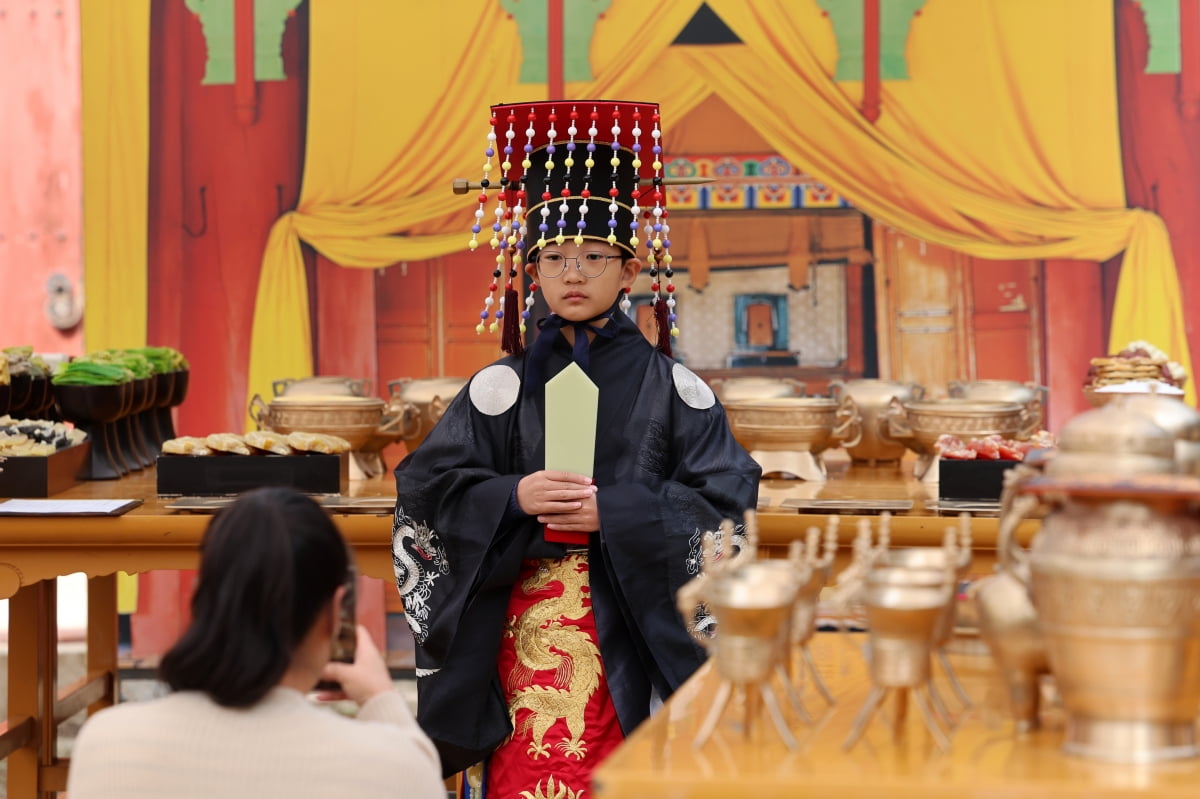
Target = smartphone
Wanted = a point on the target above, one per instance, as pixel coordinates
(344, 639)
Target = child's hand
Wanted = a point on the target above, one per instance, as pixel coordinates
(584, 520)
(543, 493)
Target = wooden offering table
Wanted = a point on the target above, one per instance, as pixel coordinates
(986, 758)
(36, 550)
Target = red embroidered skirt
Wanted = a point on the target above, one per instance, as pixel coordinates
(563, 718)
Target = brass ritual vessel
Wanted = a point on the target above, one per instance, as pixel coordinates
(817, 562)
(920, 423)
(958, 545)
(417, 405)
(903, 605)
(786, 435)
(353, 418)
(1175, 416)
(1009, 626)
(1114, 576)
(872, 397)
(752, 602)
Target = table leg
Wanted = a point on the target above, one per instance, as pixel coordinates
(102, 636)
(32, 678)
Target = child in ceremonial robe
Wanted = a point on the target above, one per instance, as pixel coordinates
(542, 601)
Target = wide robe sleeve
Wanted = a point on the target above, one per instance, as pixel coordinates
(456, 558)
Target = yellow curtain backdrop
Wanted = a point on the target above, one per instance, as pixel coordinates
(997, 146)
(389, 126)
(1003, 143)
(115, 41)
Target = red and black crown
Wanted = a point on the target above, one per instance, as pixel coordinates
(572, 170)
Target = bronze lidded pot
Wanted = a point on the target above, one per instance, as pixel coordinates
(1172, 414)
(786, 435)
(919, 424)
(733, 389)
(873, 397)
(1114, 576)
(419, 404)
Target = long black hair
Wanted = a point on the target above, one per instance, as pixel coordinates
(268, 563)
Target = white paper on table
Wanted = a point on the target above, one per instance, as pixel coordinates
(67, 507)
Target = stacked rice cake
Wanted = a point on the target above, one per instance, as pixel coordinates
(1114, 369)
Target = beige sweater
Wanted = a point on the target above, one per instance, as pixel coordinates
(185, 746)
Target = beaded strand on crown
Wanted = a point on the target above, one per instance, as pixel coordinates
(580, 175)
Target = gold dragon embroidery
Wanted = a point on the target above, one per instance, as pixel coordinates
(544, 643)
(552, 791)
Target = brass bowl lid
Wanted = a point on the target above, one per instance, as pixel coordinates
(956, 406)
(331, 401)
(1112, 431)
(783, 404)
(1169, 412)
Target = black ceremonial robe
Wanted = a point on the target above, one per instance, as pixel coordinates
(667, 470)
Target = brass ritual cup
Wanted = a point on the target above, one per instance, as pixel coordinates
(903, 607)
(933, 558)
(753, 607)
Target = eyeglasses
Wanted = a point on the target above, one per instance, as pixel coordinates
(590, 264)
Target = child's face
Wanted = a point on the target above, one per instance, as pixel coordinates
(571, 293)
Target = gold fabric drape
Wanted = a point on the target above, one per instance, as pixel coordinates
(115, 41)
(1003, 143)
(116, 144)
(389, 123)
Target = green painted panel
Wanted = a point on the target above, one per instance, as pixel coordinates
(579, 25)
(895, 18)
(217, 22)
(270, 19)
(847, 19)
(1162, 25)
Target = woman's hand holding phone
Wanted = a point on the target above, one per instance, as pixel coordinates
(366, 677)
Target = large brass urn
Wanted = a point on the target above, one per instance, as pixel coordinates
(1114, 575)
(872, 397)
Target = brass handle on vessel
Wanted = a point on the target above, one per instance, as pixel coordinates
(1014, 509)
(260, 412)
(1031, 418)
(849, 429)
(896, 417)
(410, 424)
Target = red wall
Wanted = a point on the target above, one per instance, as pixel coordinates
(1160, 148)
(204, 255)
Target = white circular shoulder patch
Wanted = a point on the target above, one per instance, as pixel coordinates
(495, 389)
(692, 390)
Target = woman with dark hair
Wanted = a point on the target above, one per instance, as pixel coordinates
(264, 618)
